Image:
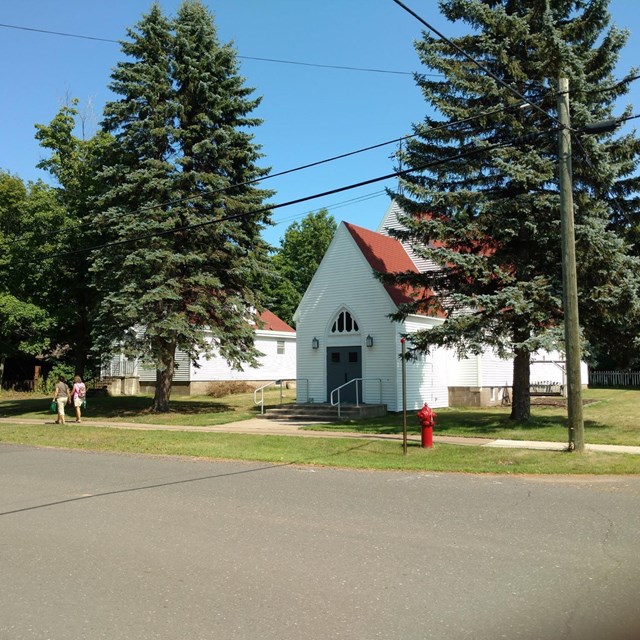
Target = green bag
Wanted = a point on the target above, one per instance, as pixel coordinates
(84, 404)
(53, 406)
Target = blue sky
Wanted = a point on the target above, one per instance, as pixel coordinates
(309, 113)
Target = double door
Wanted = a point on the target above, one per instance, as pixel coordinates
(344, 364)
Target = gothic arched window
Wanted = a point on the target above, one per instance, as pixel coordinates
(344, 323)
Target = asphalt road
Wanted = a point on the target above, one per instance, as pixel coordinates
(99, 546)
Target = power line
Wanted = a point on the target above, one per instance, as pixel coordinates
(259, 59)
(612, 198)
(57, 33)
(220, 190)
(331, 207)
(217, 191)
(274, 175)
(333, 66)
(462, 154)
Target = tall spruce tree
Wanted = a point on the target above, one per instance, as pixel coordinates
(183, 157)
(491, 220)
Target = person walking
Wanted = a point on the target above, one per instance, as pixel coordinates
(61, 396)
(78, 393)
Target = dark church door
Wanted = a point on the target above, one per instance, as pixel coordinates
(344, 364)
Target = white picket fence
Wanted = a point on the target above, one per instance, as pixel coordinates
(614, 378)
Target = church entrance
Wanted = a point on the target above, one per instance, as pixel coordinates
(344, 364)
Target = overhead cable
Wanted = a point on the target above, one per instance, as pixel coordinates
(472, 149)
(273, 175)
(293, 62)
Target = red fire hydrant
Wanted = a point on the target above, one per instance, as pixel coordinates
(427, 419)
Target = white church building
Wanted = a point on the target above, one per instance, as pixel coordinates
(345, 337)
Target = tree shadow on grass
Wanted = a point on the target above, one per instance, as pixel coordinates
(480, 423)
(111, 407)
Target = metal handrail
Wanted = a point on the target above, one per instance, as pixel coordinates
(346, 384)
(280, 382)
(261, 390)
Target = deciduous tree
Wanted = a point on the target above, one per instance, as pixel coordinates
(30, 220)
(75, 161)
(296, 261)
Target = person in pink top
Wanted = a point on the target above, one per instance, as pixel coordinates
(78, 395)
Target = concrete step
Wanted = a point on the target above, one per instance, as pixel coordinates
(324, 412)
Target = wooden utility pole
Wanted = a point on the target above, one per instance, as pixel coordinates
(569, 276)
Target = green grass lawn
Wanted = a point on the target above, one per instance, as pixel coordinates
(184, 410)
(611, 418)
(331, 452)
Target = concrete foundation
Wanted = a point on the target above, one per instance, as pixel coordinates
(202, 387)
(122, 385)
(177, 388)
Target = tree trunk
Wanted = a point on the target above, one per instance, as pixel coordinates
(80, 362)
(83, 343)
(521, 402)
(164, 378)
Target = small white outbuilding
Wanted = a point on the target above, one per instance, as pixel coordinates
(274, 338)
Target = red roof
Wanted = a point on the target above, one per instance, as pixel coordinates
(270, 322)
(385, 255)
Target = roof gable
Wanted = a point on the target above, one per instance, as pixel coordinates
(385, 255)
(269, 321)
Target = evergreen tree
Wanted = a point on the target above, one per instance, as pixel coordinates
(296, 261)
(491, 220)
(183, 157)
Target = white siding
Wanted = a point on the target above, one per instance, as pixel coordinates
(465, 372)
(147, 371)
(550, 366)
(345, 279)
(427, 376)
(488, 370)
(495, 371)
(272, 365)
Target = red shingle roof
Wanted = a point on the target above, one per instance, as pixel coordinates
(385, 255)
(270, 322)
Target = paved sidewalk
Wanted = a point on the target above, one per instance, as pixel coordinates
(260, 426)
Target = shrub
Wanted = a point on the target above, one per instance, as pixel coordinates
(59, 369)
(223, 388)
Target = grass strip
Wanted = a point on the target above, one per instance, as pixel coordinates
(610, 417)
(327, 452)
